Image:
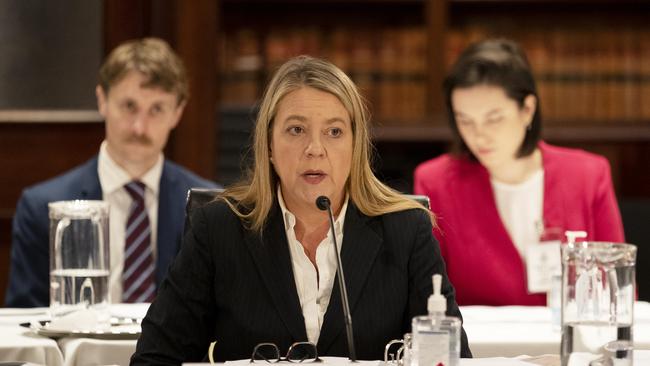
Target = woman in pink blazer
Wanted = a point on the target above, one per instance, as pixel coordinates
(496, 194)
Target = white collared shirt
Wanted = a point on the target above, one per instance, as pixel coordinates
(314, 287)
(112, 179)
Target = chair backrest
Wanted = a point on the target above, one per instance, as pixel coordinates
(421, 199)
(197, 197)
(635, 213)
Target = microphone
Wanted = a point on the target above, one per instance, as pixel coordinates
(323, 204)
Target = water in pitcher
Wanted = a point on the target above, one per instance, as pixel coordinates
(598, 289)
(582, 341)
(76, 289)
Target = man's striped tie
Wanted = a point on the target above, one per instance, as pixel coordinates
(138, 283)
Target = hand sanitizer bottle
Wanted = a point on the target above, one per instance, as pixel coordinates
(436, 337)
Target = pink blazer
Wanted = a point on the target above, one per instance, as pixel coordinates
(482, 262)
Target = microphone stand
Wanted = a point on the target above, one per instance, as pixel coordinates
(323, 203)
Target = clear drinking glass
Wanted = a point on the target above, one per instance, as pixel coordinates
(598, 289)
(79, 264)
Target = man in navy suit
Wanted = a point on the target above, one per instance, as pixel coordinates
(141, 94)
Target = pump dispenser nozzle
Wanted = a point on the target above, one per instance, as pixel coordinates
(437, 303)
(572, 235)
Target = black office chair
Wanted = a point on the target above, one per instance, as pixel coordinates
(421, 199)
(197, 197)
(636, 219)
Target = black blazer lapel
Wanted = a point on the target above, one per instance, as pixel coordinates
(362, 240)
(273, 260)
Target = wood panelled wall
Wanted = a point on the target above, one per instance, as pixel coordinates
(191, 28)
(31, 152)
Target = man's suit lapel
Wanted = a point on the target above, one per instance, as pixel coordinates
(362, 240)
(170, 217)
(271, 255)
(89, 186)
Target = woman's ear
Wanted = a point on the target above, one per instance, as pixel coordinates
(530, 103)
(529, 107)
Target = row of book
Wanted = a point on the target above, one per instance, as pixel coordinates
(583, 75)
(389, 66)
(600, 75)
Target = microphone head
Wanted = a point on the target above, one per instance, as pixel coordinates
(322, 202)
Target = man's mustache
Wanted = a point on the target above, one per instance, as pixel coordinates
(141, 140)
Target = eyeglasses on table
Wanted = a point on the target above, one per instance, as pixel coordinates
(299, 352)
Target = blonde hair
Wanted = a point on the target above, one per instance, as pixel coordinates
(152, 57)
(253, 198)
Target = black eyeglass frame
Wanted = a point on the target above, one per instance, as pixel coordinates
(285, 358)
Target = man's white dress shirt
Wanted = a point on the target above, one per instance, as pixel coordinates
(112, 178)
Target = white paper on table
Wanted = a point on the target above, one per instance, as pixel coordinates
(641, 357)
(80, 320)
(135, 311)
(479, 314)
(641, 312)
(493, 361)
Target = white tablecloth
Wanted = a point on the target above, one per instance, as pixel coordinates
(21, 344)
(84, 351)
(640, 358)
(510, 331)
(492, 332)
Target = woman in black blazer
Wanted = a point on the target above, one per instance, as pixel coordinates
(255, 265)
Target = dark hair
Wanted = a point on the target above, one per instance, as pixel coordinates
(495, 62)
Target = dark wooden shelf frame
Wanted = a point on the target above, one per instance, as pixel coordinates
(565, 133)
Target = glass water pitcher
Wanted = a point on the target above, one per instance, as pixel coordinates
(79, 261)
(598, 291)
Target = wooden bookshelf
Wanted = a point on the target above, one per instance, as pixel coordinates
(588, 64)
(588, 59)
(591, 60)
(383, 45)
